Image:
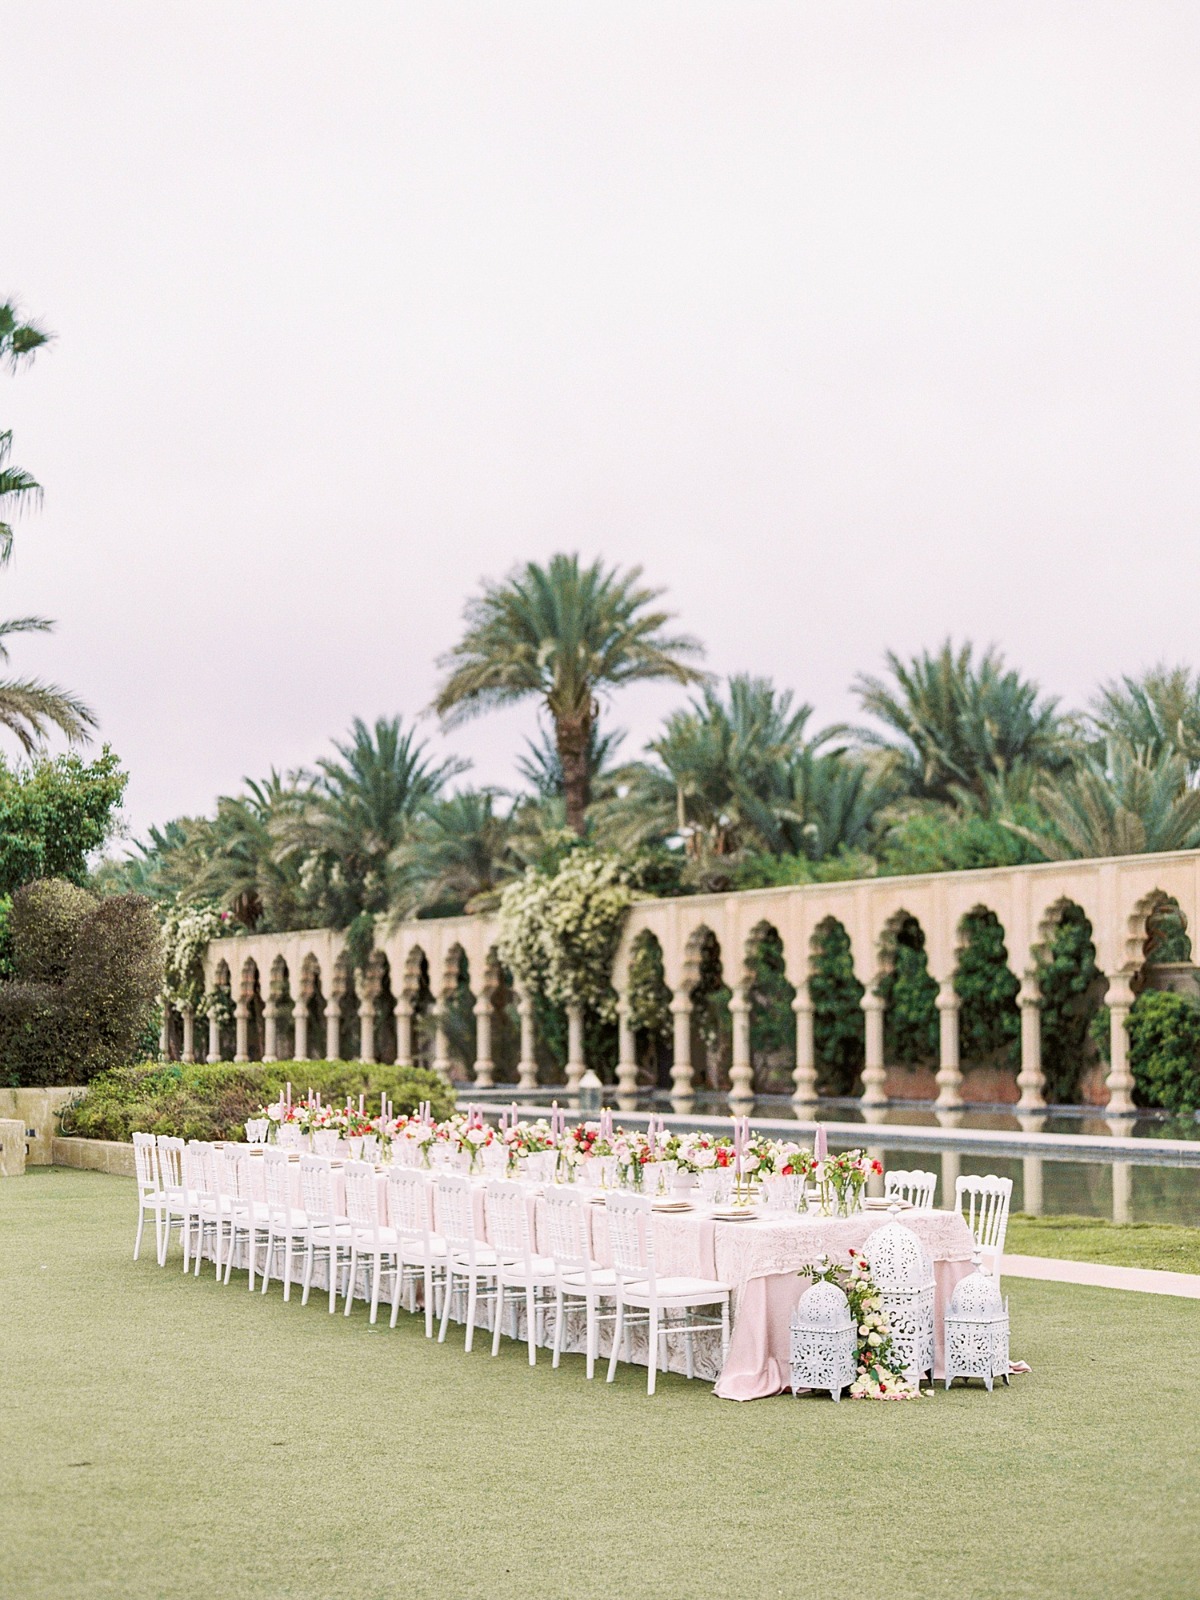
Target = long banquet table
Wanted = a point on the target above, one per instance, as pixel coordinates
(759, 1258)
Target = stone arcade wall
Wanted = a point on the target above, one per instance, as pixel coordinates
(1117, 895)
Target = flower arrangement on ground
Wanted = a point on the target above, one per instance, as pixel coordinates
(877, 1378)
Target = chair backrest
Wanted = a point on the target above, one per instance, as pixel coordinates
(224, 1172)
(631, 1235)
(170, 1162)
(244, 1167)
(565, 1220)
(984, 1204)
(277, 1178)
(455, 1210)
(145, 1160)
(316, 1185)
(196, 1170)
(408, 1201)
(916, 1186)
(507, 1219)
(362, 1196)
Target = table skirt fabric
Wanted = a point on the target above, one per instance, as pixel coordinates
(759, 1259)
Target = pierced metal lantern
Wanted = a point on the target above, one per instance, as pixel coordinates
(823, 1341)
(977, 1329)
(903, 1276)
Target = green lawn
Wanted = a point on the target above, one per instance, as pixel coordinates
(1125, 1244)
(166, 1438)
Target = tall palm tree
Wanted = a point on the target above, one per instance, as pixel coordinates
(29, 707)
(565, 634)
(458, 856)
(1156, 712)
(1132, 801)
(954, 723)
(19, 339)
(240, 862)
(541, 765)
(359, 811)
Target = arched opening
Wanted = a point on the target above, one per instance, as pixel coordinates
(250, 993)
(342, 991)
(909, 993)
(220, 1001)
(1166, 949)
(310, 1002)
(712, 1035)
(989, 1018)
(458, 1014)
(419, 994)
(506, 1021)
(281, 1001)
(650, 1008)
(383, 1002)
(772, 1020)
(1072, 990)
(839, 1028)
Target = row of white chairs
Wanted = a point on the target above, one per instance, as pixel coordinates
(207, 1192)
(982, 1202)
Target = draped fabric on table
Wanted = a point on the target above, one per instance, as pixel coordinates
(760, 1259)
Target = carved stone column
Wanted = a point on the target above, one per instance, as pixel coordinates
(333, 1027)
(949, 1078)
(300, 1025)
(741, 1070)
(1031, 1080)
(404, 1040)
(682, 1086)
(241, 1014)
(1120, 1079)
(874, 1077)
(576, 1065)
(270, 1030)
(441, 1045)
(484, 1067)
(627, 1071)
(214, 1030)
(527, 1066)
(188, 1015)
(805, 1075)
(366, 1018)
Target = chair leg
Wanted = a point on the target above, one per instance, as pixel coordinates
(497, 1319)
(531, 1322)
(447, 1296)
(287, 1267)
(472, 1301)
(428, 1279)
(186, 1231)
(618, 1329)
(308, 1266)
(397, 1290)
(353, 1275)
(558, 1322)
(266, 1272)
(378, 1268)
(687, 1348)
(593, 1329)
(652, 1350)
(137, 1243)
(724, 1329)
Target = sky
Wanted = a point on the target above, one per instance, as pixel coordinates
(856, 326)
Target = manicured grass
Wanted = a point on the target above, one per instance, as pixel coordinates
(1125, 1244)
(165, 1438)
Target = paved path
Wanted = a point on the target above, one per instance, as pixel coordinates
(1102, 1276)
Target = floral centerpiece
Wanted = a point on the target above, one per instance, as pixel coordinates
(525, 1139)
(877, 1378)
(842, 1178)
(701, 1152)
(632, 1151)
(469, 1136)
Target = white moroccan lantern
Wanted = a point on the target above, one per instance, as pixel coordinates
(823, 1341)
(977, 1329)
(903, 1276)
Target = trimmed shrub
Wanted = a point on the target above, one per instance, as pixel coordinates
(87, 976)
(1164, 1050)
(212, 1101)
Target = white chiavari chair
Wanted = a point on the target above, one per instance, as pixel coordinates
(984, 1203)
(247, 1215)
(150, 1195)
(207, 1213)
(370, 1236)
(521, 1274)
(652, 1298)
(328, 1234)
(468, 1259)
(287, 1222)
(577, 1277)
(422, 1251)
(916, 1186)
(177, 1207)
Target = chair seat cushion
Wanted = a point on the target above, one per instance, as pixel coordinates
(602, 1278)
(387, 1237)
(541, 1267)
(414, 1249)
(696, 1291)
(485, 1256)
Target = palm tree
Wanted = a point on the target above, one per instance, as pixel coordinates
(240, 864)
(29, 707)
(1156, 712)
(956, 724)
(1133, 801)
(723, 780)
(19, 338)
(541, 765)
(457, 857)
(566, 634)
(837, 801)
(18, 341)
(359, 811)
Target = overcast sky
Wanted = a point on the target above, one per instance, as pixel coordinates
(854, 324)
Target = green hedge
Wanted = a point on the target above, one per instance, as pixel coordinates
(204, 1101)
